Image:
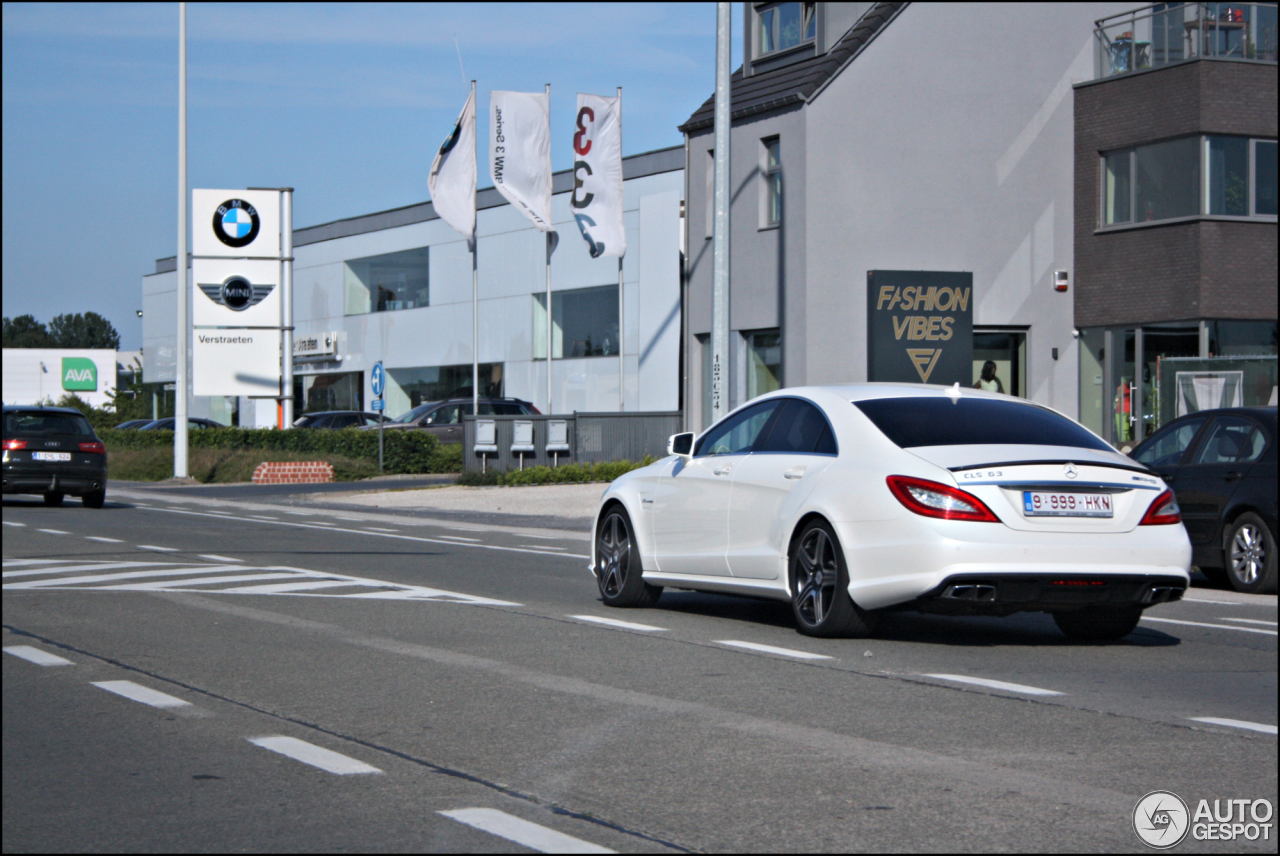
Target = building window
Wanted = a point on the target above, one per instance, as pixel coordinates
(320, 392)
(783, 26)
(764, 362)
(584, 323)
(409, 387)
(387, 283)
(1163, 181)
(771, 171)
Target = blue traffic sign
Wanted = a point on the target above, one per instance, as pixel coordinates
(379, 404)
(378, 378)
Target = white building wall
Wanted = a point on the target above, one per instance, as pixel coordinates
(33, 375)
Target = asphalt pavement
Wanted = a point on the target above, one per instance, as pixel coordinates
(410, 671)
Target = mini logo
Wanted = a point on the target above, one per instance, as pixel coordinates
(1070, 471)
(236, 223)
(237, 293)
(1161, 819)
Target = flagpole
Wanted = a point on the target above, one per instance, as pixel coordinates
(180, 468)
(622, 352)
(550, 409)
(475, 293)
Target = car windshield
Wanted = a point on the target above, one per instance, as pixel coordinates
(942, 421)
(46, 425)
(415, 413)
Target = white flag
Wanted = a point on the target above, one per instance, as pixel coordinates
(520, 152)
(452, 181)
(597, 175)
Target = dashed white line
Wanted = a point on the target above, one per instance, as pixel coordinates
(35, 655)
(159, 549)
(139, 693)
(302, 513)
(378, 529)
(541, 547)
(217, 558)
(13, 523)
(356, 519)
(54, 531)
(103, 540)
(1235, 723)
(316, 756)
(995, 685)
(522, 832)
(1250, 621)
(613, 622)
(1215, 626)
(460, 538)
(769, 649)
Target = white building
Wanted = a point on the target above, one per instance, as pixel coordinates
(33, 375)
(395, 286)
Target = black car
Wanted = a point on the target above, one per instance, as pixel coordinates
(194, 423)
(1221, 465)
(53, 451)
(338, 419)
(133, 424)
(444, 418)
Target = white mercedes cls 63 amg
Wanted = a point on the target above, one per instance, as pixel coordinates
(851, 500)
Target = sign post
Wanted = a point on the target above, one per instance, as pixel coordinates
(378, 381)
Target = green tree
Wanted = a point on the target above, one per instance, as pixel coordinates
(26, 332)
(131, 399)
(87, 330)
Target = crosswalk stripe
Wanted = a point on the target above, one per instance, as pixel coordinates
(35, 655)
(173, 584)
(530, 835)
(14, 563)
(316, 756)
(139, 693)
(96, 566)
(99, 578)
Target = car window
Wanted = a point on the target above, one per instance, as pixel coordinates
(370, 420)
(1166, 448)
(941, 420)
(507, 408)
(798, 427)
(414, 414)
(1253, 447)
(345, 420)
(46, 425)
(486, 408)
(447, 415)
(736, 435)
(1228, 441)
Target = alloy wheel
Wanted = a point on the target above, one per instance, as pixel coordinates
(613, 554)
(816, 576)
(1248, 554)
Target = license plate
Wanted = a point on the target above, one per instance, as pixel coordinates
(1038, 503)
(51, 456)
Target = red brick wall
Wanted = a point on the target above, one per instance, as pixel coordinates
(293, 472)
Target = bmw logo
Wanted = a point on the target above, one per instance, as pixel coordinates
(236, 223)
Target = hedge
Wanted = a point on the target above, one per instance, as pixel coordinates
(605, 471)
(403, 451)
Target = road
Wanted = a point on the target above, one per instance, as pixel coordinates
(201, 672)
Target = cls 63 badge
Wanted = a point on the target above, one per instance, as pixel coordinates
(236, 223)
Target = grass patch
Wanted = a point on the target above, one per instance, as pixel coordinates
(568, 474)
(222, 466)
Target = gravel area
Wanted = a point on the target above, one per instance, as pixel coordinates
(552, 500)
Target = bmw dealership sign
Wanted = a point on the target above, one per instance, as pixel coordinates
(235, 224)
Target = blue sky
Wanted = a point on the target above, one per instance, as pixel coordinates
(345, 103)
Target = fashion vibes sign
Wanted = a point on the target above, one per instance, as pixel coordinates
(596, 201)
(920, 326)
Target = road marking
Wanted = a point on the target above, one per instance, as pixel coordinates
(769, 649)
(356, 519)
(613, 622)
(995, 685)
(1217, 626)
(218, 558)
(303, 513)
(160, 549)
(1235, 723)
(211, 511)
(1215, 602)
(94, 566)
(103, 540)
(547, 537)
(67, 582)
(309, 753)
(280, 588)
(378, 529)
(460, 538)
(541, 547)
(16, 562)
(35, 655)
(137, 692)
(11, 523)
(202, 581)
(1250, 621)
(261, 517)
(522, 832)
(54, 531)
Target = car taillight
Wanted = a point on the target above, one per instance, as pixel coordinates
(1163, 511)
(932, 499)
(93, 446)
(14, 444)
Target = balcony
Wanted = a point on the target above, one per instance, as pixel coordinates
(1167, 33)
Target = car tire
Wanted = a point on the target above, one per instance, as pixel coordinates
(618, 569)
(820, 586)
(95, 499)
(53, 499)
(1098, 623)
(1250, 555)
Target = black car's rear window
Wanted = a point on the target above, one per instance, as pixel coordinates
(38, 424)
(940, 421)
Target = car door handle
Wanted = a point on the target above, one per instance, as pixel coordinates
(721, 471)
(794, 473)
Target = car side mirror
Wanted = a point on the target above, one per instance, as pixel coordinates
(680, 444)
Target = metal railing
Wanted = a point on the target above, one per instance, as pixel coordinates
(1166, 33)
(522, 441)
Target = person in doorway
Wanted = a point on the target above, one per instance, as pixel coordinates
(988, 380)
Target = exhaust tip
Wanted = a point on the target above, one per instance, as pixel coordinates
(970, 591)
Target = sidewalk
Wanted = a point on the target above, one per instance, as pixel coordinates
(570, 503)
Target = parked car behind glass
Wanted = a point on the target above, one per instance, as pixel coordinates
(53, 451)
(1221, 465)
(338, 419)
(443, 419)
(194, 423)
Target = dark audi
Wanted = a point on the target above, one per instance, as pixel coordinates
(53, 451)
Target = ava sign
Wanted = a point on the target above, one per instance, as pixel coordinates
(79, 374)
